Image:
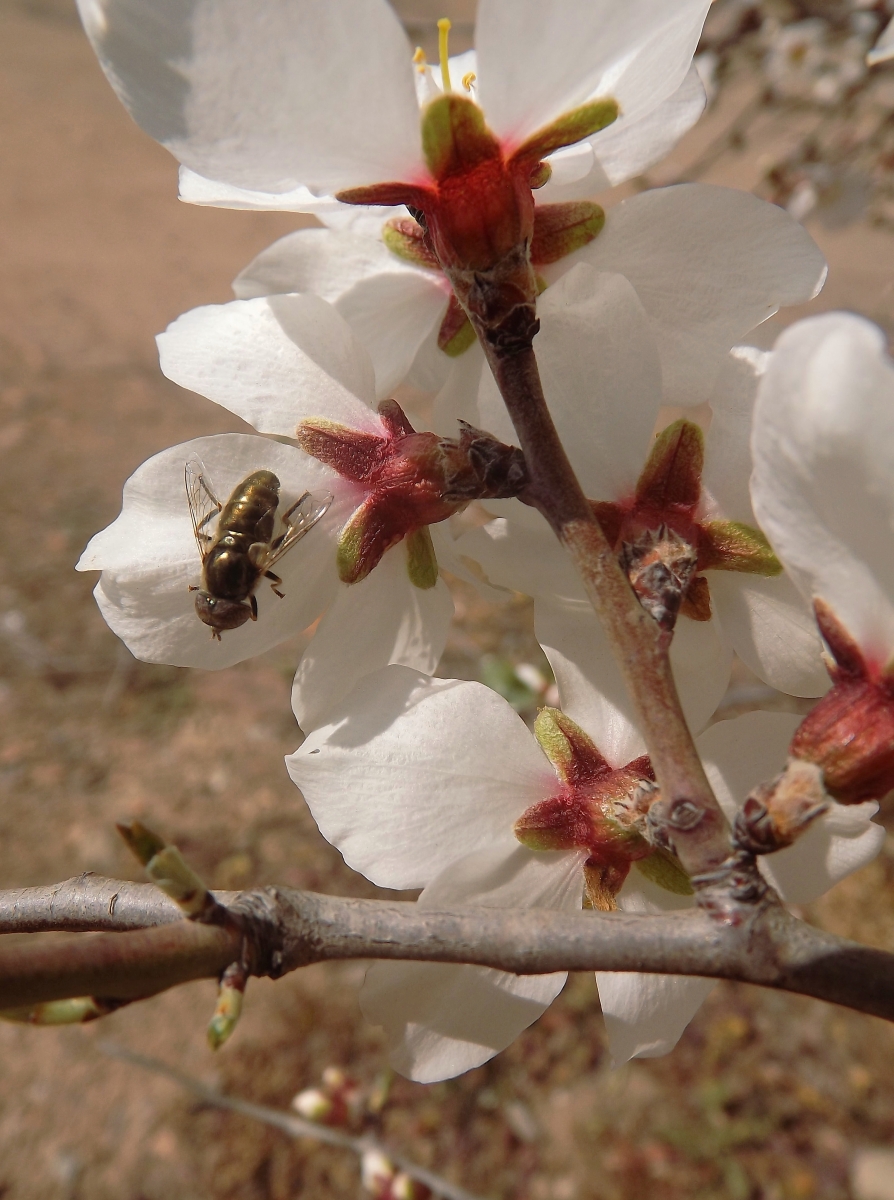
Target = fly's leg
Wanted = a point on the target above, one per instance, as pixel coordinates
(273, 586)
(297, 504)
(253, 605)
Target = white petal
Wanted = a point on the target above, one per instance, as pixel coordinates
(273, 361)
(457, 398)
(149, 557)
(411, 773)
(601, 378)
(823, 449)
(591, 689)
(349, 218)
(538, 60)
(771, 628)
(839, 842)
(383, 619)
(708, 263)
(702, 658)
(727, 443)
(645, 1015)
(626, 148)
(883, 50)
(440, 1019)
(390, 305)
(740, 754)
(269, 95)
(526, 558)
(326, 262)
(392, 315)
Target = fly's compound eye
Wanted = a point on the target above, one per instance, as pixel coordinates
(221, 614)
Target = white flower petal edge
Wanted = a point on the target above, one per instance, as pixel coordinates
(823, 447)
(708, 264)
(381, 620)
(626, 148)
(149, 557)
(441, 1020)
(538, 61)
(268, 96)
(646, 1014)
(410, 773)
(391, 306)
(273, 361)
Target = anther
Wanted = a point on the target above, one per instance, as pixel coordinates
(468, 79)
(444, 26)
(420, 61)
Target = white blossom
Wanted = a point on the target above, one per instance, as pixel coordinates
(419, 783)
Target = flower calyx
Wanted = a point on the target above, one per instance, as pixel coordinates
(849, 734)
(662, 541)
(406, 482)
(597, 808)
(476, 207)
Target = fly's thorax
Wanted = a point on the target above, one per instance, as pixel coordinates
(229, 573)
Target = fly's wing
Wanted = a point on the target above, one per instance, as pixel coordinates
(299, 520)
(203, 503)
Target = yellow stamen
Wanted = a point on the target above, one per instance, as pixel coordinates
(444, 26)
(419, 60)
(468, 79)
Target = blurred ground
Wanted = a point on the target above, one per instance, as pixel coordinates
(767, 1096)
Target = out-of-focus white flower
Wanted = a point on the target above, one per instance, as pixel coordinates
(823, 447)
(603, 384)
(291, 95)
(807, 60)
(279, 364)
(438, 784)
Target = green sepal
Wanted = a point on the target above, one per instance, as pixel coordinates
(456, 334)
(570, 128)
(734, 546)
(560, 229)
(455, 136)
(666, 870)
(422, 562)
(571, 751)
(406, 240)
(673, 470)
(540, 176)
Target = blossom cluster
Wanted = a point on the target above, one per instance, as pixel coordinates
(746, 493)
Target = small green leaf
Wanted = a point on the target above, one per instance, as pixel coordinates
(666, 870)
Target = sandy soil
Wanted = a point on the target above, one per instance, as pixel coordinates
(766, 1096)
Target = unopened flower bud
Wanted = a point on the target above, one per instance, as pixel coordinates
(376, 1174)
(314, 1105)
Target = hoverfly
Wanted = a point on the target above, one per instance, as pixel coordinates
(242, 547)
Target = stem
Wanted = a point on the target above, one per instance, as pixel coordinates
(696, 824)
(276, 930)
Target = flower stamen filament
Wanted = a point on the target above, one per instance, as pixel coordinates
(444, 26)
